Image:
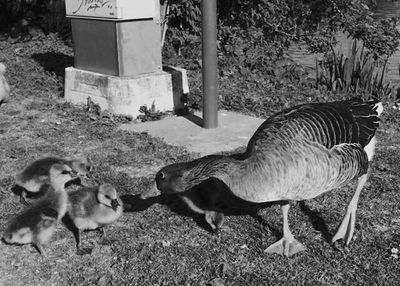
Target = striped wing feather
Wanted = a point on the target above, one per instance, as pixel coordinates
(305, 151)
(328, 124)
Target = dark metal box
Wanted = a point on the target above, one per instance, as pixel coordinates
(119, 48)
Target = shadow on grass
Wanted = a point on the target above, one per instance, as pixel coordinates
(211, 195)
(32, 196)
(317, 221)
(17, 190)
(54, 62)
(133, 203)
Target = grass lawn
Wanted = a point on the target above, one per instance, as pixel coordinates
(159, 242)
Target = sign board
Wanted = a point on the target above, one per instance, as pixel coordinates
(111, 9)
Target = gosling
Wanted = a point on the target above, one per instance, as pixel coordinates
(92, 208)
(37, 223)
(4, 86)
(36, 175)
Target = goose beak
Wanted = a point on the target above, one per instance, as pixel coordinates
(115, 204)
(152, 192)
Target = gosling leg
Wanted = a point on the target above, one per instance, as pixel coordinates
(79, 249)
(214, 219)
(22, 198)
(41, 250)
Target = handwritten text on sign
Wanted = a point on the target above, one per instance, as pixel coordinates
(112, 9)
(97, 8)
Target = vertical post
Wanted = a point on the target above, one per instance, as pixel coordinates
(209, 58)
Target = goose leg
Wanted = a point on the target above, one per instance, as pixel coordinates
(287, 245)
(346, 228)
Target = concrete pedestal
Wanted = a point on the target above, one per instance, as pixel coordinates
(119, 95)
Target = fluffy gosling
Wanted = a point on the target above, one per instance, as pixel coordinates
(37, 223)
(4, 86)
(36, 175)
(91, 208)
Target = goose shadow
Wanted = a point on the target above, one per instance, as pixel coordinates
(133, 203)
(317, 221)
(211, 194)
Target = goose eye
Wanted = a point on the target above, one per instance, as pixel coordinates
(162, 176)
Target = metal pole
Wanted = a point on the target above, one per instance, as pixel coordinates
(209, 58)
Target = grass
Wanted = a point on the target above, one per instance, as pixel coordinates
(160, 242)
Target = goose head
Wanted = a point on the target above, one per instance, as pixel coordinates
(107, 195)
(180, 177)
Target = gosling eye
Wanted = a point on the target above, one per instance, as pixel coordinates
(65, 172)
(107, 197)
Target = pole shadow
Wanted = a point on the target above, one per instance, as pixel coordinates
(194, 119)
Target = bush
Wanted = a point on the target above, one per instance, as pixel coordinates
(252, 33)
(22, 17)
(357, 74)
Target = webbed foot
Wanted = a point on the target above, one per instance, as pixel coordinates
(286, 246)
(346, 228)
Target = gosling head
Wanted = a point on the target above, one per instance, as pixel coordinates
(60, 174)
(81, 165)
(107, 195)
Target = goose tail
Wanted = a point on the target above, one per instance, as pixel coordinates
(378, 107)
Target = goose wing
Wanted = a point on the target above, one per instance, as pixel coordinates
(307, 150)
(328, 124)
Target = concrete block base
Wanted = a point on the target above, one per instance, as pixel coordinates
(119, 95)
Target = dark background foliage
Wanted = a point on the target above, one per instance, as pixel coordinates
(253, 38)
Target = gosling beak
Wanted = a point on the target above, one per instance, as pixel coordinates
(73, 174)
(114, 204)
(152, 192)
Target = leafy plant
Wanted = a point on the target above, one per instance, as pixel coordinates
(357, 74)
(150, 114)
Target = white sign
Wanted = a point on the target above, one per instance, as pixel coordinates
(111, 9)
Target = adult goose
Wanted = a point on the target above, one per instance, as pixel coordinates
(296, 154)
